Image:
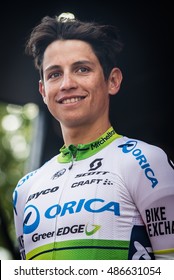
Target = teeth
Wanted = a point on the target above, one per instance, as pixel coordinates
(71, 100)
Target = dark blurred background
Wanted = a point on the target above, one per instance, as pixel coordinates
(144, 106)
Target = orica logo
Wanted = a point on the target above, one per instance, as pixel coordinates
(94, 205)
(31, 219)
(128, 146)
(131, 146)
(25, 178)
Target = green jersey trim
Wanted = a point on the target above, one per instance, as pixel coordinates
(82, 250)
(83, 151)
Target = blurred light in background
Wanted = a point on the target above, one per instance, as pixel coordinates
(17, 131)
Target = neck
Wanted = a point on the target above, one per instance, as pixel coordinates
(83, 135)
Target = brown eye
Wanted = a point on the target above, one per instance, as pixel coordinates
(83, 70)
(54, 75)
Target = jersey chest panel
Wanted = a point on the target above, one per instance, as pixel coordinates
(85, 201)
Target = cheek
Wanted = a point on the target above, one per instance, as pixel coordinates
(100, 92)
(50, 92)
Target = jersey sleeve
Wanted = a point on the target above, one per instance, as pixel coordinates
(19, 200)
(151, 184)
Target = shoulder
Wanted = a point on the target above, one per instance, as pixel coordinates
(140, 150)
(144, 160)
(25, 184)
(30, 176)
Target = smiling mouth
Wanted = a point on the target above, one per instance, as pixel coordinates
(71, 100)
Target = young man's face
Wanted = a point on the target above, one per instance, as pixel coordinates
(74, 87)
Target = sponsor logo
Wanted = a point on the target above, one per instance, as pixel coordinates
(141, 253)
(92, 173)
(43, 192)
(92, 231)
(130, 147)
(27, 177)
(157, 223)
(92, 181)
(94, 205)
(86, 182)
(95, 181)
(38, 237)
(140, 246)
(58, 174)
(31, 219)
(95, 164)
(102, 140)
(75, 229)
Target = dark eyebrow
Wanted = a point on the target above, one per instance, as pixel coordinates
(81, 62)
(77, 63)
(52, 67)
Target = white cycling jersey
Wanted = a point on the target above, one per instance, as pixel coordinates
(109, 199)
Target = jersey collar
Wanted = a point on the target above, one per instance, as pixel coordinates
(83, 151)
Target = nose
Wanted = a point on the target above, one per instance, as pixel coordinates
(68, 82)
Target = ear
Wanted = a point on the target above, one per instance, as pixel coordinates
(114, 81)
(42, 90)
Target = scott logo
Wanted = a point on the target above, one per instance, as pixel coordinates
(130, 146)
(95, 164)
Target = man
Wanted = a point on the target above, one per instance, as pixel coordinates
(104, 196)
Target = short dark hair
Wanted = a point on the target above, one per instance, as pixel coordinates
(104, 40)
